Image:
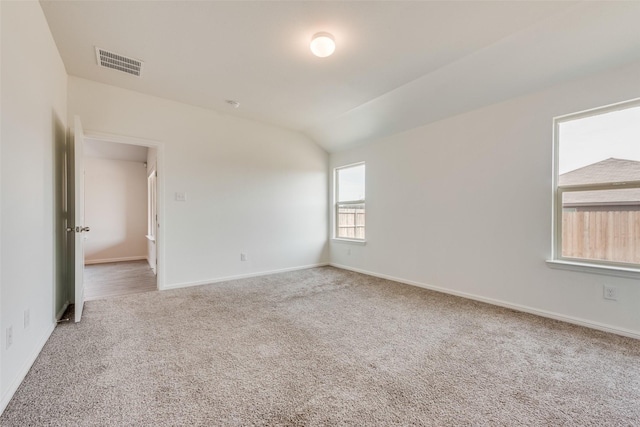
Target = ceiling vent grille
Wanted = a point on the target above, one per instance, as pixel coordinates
(117, 62)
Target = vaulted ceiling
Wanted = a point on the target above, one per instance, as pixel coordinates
(397, 65)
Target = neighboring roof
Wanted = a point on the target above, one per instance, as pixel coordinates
(626, 197)
(605, 171)
(609, 170)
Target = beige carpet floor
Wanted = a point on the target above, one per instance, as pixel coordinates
(324, 347)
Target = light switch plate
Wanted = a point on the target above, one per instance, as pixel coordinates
(181, 197)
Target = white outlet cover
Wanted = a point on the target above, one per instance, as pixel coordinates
(610, 293)
(181, 197)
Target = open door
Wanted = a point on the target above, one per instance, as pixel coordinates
(79, 229)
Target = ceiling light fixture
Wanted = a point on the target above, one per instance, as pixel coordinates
(234, 104)
(322, 44)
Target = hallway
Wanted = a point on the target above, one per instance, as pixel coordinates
(118, 278)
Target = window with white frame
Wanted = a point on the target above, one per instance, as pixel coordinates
(350, 202)
(597, 186)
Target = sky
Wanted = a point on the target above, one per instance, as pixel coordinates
(351, 183)
(595, 138)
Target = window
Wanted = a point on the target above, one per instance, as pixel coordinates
(349, 196)
(597, 192)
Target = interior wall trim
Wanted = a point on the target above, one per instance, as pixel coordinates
(241, 276)
(500, 303)
(24, 370)
(108, 260)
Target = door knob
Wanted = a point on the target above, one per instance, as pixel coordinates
(85, 229)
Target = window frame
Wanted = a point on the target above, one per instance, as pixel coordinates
(337, 205)
(614, 268)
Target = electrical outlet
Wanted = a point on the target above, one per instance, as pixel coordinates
(610, 293)
(9, 336)
(181, 197)
(243, 256)
(27, 318)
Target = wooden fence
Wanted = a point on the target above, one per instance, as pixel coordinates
(611, 235)
(351, 223)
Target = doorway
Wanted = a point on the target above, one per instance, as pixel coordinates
(121, 209)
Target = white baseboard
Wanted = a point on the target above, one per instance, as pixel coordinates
(29, 362)
(240, 276)
(24, 370)
(518, 307)
(106, 261)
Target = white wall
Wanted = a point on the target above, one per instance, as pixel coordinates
(464, 204)
(34, 114)
(115, 209)
(250, 187)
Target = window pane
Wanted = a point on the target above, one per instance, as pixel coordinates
(604, 148)
(350, 221)
(602, 225)
(351, 183)
(587, 141)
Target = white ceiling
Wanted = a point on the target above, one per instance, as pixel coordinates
(114, 151)
(398, 64)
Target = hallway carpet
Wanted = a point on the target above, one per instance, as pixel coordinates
(324, 347)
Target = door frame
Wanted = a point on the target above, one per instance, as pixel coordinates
(159, 146)
(152, 214)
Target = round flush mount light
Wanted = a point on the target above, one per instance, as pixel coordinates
(231, 102)
(322, 44)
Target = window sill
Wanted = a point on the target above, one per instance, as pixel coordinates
(586, 267)
(349, 241)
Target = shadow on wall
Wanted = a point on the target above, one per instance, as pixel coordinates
(60, 212)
